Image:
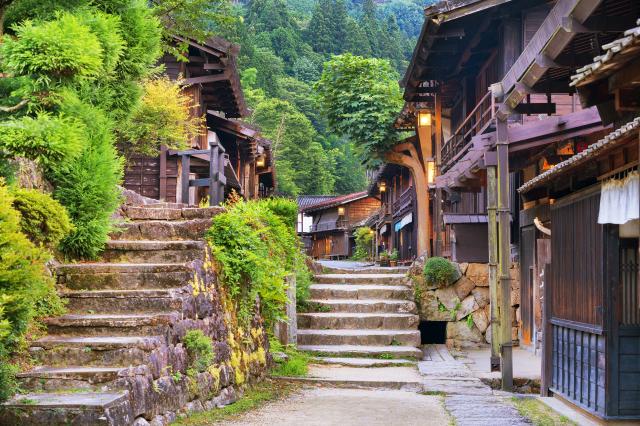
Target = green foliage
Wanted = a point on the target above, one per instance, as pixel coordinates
(255, 250)
(364, 239)
(360, 98)
(285, 209)
(26, 289)
(439, 271)
(43, 219)
(469, 321)
(8, 382)
(87, 187)
(293, 364)
(200, 349)
(45, 138)
(163, 117)
(394, 254)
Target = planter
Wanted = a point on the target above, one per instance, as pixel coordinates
(384, 263)
(393, 263)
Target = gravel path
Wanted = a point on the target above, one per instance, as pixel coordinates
(344, 407)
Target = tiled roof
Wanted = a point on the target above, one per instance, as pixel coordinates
(616, 53)
(306, 201)
(607, 142)
(336, 201)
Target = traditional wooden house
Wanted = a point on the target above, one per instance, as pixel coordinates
(591, 282)
(229, 155)
(493, 77)
(393, 223)
(305, 220)
(333, 223)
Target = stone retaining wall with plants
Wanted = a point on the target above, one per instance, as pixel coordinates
(458, 293)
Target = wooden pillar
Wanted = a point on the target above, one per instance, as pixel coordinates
(213, 170)
(547, 340)
(504, 253)
(422, 192)
(163, 173)
(186, 167)
(437, 208)
(492, 229)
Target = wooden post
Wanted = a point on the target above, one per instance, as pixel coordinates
(492, 229)
(213, 170)
(422, 191)
(504, 253)
(547, 338)
(186, 167)
(163, 173)
(221, 180)
(437, 208)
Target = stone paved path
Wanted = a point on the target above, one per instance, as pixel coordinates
(350, 407)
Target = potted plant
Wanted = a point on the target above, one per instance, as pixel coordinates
(393, 258)
(384, 259)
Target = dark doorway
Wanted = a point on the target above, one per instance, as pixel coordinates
(433, 332)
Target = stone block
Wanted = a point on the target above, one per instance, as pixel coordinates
(481, 320)
(482, 296)
(448, 297)
(467, 306)
(428, 308)
(463, 336)
(463, 287)
(479, 274)
(140, 421)
(487, 334)
(463, 267)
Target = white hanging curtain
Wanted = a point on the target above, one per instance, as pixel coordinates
(620, 200)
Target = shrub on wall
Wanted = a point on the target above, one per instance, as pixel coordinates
(255, 250)
(42, 219)
(439, 271)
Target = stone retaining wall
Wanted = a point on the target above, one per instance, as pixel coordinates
(463, 304)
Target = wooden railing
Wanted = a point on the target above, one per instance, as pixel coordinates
(330, 226)
(475, 123)
(216, 180)
(405, 199)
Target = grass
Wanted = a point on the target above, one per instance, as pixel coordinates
(254, 397)
(296, 363)
(539, 413)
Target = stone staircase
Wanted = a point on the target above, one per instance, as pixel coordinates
(361, 313)
(113, 357)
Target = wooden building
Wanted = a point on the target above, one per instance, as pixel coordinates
(333, 223)
(591, 282)
(393, 222)
(230, 155)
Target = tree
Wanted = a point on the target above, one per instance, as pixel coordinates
(370, 27)
(360, 98)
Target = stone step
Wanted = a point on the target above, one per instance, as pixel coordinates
(359, 337)
(162, 230)
(339, 320)
(363, 362)
(382, 352)
(368, 270)
(91, 408)
(366, 305)
(143, 213)
(108, 351)
(360, 291)
(153, 251)
(111, 324)
(48, 379)
(127, 301)
(125, 276)
(384, 279)
(163, 205)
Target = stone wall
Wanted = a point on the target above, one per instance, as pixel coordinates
(463, 303)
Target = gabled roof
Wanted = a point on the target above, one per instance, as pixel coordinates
(610, 141)
(337, 201)
(306, 201)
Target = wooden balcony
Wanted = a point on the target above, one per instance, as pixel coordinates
(403, 203)
(476, 123)
(341, 224)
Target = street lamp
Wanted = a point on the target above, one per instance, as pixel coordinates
(340, 211)
(431, 171)
(261, 161)
(424, 118)
(383, 186)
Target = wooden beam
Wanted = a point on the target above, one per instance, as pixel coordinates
(214, 66)
(628, 76)
(530, 109)
(466, 54)
(206, 79)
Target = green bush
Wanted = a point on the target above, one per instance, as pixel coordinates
(364, 239)
(200, 349)
(439, 271)
(87, 187)
(255, 251)
(43, 219)
(26, 289)
(285, 209)
(293, 364)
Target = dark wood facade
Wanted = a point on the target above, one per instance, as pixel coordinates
(333, 223)
(394, 223)
(229, 156)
